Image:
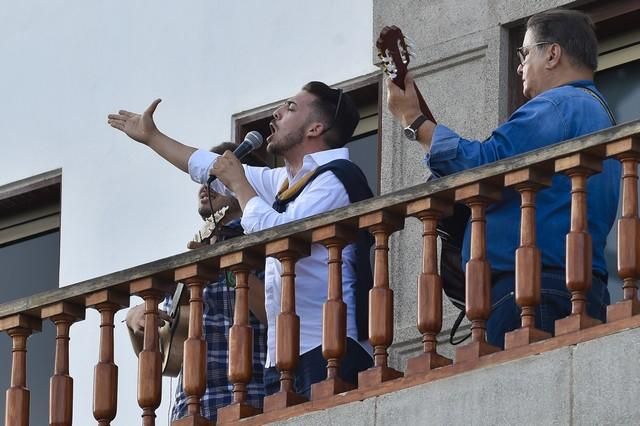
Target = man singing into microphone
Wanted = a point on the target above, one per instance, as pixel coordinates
(309, 131)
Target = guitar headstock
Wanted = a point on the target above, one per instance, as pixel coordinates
(395, 50)
(206, 233)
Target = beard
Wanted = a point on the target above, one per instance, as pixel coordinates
(280, 145)
(204, 211)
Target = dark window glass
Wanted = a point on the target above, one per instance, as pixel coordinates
(621, 87)
(364, 152)
(27, 267)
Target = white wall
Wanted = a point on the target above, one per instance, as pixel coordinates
(67, 64)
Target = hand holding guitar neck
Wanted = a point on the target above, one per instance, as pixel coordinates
(394, 50)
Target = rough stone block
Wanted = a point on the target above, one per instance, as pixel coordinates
(606, 380)
(531, 391)
(361, 413)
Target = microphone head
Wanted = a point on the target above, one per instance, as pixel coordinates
(255, 139)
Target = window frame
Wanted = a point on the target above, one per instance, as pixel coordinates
(30, 206)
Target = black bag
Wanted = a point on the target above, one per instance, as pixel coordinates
(451, 232)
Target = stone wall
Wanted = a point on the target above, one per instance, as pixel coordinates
(591, 383)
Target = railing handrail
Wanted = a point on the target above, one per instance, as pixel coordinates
(255, 242)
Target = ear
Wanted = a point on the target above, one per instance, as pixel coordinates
(553, 56)
(315, 129)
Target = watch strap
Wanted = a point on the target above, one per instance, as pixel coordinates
(418, 122)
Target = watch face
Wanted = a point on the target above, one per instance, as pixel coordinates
(409, 133)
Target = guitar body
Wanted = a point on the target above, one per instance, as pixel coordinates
(172, 338)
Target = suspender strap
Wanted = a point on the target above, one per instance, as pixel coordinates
(602, 102)
(355, 183)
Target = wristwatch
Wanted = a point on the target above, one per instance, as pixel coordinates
(411, 131)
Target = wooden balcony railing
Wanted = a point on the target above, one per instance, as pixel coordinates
(383, 216)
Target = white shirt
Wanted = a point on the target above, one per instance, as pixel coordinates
(324, 193)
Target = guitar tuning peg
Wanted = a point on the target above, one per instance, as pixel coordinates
(413, 55)
(393, 75)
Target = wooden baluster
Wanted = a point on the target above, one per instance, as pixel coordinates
(578, 252)
(628, 152)
(19, 327)
(240, 336)
(287, 251)
(62, 314)
(381, 224)
(105, 373)
(194, 367)
(429, 286)
(528, 262)
(334, 311)
(152, 290)
(478, 271)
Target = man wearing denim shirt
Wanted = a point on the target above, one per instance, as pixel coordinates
(557, 61)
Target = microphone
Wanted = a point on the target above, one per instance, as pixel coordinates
(251, 142)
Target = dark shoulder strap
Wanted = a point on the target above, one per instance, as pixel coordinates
(602, 102)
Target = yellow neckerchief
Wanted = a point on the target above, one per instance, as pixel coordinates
(285, 192)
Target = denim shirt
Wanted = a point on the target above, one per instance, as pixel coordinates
(554, 116)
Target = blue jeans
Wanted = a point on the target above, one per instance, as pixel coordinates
(312, 368)
(555, 303)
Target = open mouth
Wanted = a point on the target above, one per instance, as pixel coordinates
(203, 196)
(273, 128)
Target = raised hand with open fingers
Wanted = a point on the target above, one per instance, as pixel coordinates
(139, 127)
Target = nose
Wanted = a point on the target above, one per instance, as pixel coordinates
(519, 70)
(277, 114)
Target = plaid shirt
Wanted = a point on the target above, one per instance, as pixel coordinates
(217, 316)
(218, 300)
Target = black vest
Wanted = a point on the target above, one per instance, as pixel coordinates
(355, 183)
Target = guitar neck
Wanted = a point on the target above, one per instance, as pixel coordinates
(423, 105)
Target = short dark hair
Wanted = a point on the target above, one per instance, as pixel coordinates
(250, 160)
(572, 30)
(341, 123)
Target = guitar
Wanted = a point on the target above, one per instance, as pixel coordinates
(206, 234)
(174, 333)
(395, 52)
(394, 49)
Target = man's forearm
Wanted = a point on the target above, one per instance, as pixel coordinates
(244, 193)
(171, 150)
(425, 134)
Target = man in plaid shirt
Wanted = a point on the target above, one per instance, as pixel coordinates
(218, 305)
(218, 299)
